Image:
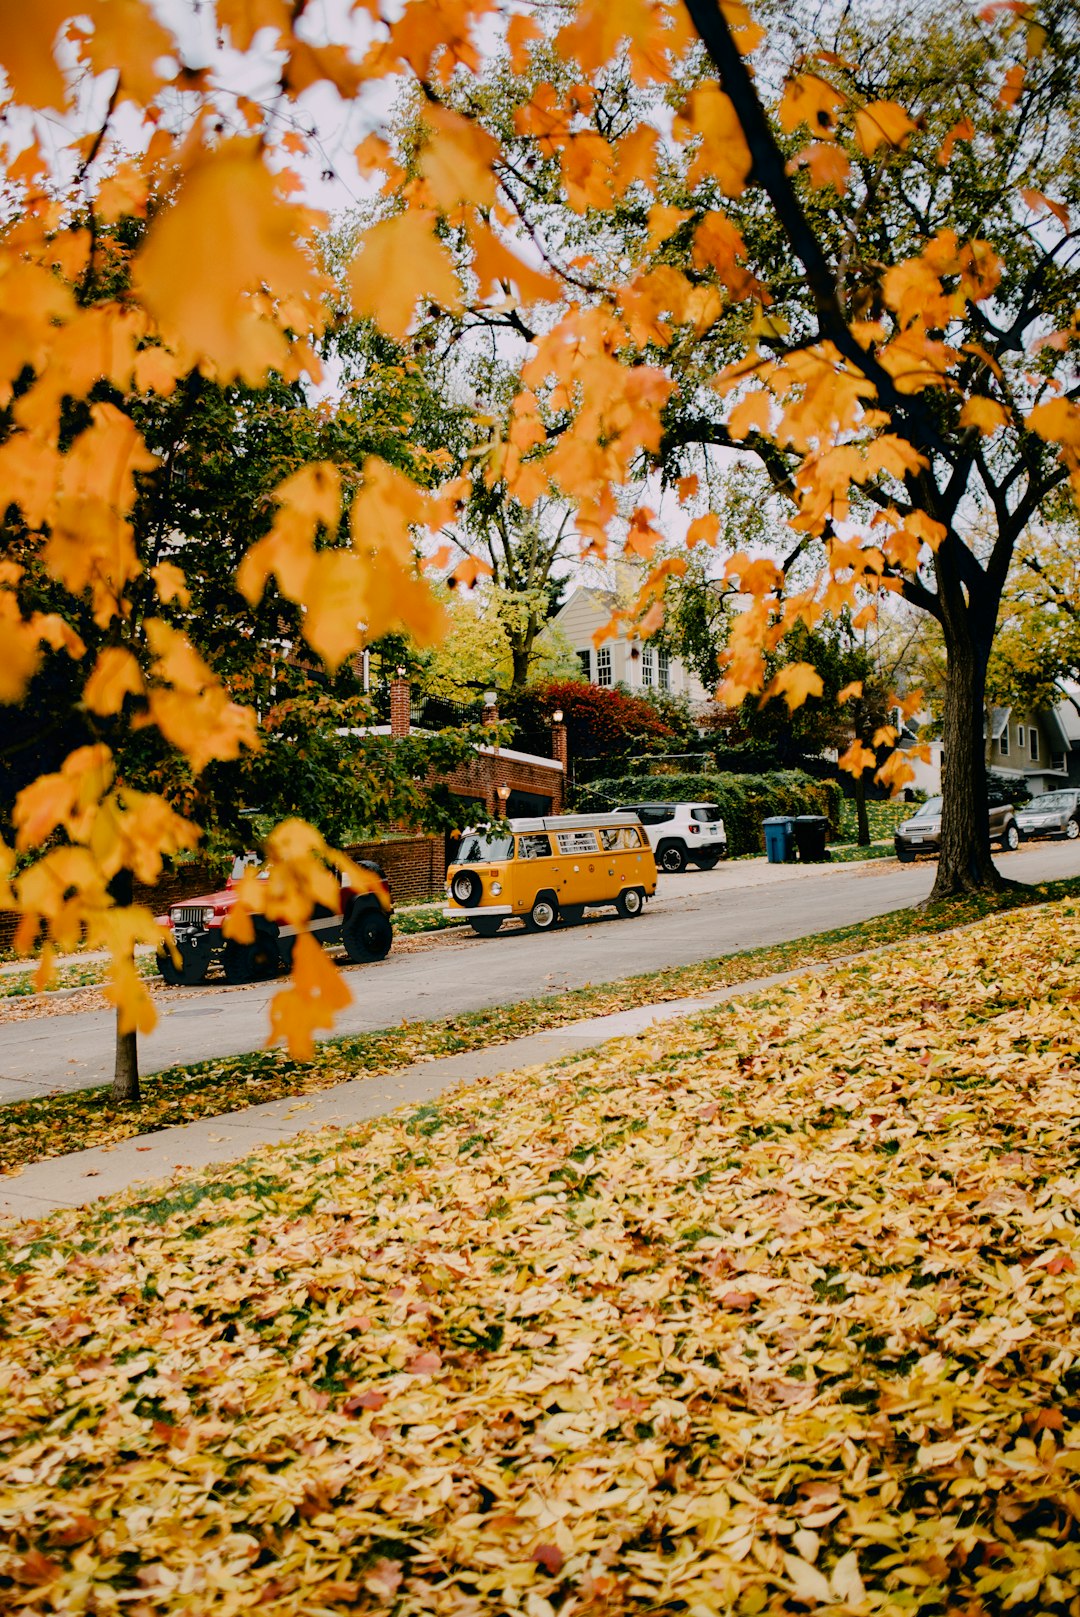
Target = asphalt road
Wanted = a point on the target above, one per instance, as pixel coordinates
(694, 917)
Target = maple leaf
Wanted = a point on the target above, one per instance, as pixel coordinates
(27, 40)
(827, 164)
(723, 153)
(704, 530)
(400, 261)
(227, 234)
(986, 414)
(317, 992)
(882, 123)
(811, 100)
(116, 674)
(1058, 421)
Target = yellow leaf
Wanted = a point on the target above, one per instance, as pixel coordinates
(827, 164)
(794, 683)
(171, 583)
(458, 160)
(986, 414)
(811, 100)
(808, 1583)
(317, 992)
(227, 235)
(752, 414)
(244, 18)
(27, 37)
(128, 38)
(116, 674)
(882, 123)
(1058, 421)
(401, 261)
(850, 692)
(722, 154)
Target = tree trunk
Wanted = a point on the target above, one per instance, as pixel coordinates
(964, 863)
(863, 835)
(521, 648)
(125, 1084)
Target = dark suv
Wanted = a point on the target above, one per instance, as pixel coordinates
(922, 833)
(361, 925)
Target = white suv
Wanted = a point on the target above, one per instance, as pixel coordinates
(682, 833)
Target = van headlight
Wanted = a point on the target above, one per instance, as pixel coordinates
(496, 888)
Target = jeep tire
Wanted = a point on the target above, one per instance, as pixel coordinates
(366, 933)
(671, 857)
(250, 962)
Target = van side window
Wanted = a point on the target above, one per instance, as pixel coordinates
(614, 839)
(534, 845)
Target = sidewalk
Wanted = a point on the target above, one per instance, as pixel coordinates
(86, 1176)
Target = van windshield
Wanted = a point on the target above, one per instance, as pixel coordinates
(477, 849)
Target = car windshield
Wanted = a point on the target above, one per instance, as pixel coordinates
(477, 849)
(930, 810)
(1050, 803)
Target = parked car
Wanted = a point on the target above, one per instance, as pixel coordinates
(922, 833)
(682, 833)
(361, 925)
(1055, 814)
(547, 870)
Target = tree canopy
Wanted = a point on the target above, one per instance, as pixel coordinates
(854, 262)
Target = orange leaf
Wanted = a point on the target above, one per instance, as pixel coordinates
(1058, 421)
(704, 530)
(116, 675)
(811, 100)
(27, 37)
(850, 692)
(723, 154)
(986, 414)
(1039, 203)
(794, 683)
(316, 993)
(964, 130)
(1011, 90)
(827, 163)
(401, 261)
(882, 123)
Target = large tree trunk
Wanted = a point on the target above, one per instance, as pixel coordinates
(964, 864)
(125, 1084)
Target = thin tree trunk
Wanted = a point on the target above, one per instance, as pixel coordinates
(125, 1084)
(964, 863)
(863, 835)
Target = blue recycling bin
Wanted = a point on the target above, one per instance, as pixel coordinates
(779, 832)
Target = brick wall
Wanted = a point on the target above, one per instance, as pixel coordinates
(415, 866)
(481, 775)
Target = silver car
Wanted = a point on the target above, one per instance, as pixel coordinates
(1055, 814)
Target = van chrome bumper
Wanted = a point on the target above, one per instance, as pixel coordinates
(453, 913)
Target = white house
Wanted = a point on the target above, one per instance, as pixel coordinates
(625, 659)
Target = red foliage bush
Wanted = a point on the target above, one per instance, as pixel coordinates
(599, 719)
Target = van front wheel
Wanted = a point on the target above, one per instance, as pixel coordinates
(630, 902)
(543, 915)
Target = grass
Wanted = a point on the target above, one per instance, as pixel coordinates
(53, 1125)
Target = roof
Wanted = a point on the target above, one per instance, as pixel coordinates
(999, 720)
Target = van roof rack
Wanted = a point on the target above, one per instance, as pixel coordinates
(562, 822)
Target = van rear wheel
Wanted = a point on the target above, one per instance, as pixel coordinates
(630, 902)
(543, 915)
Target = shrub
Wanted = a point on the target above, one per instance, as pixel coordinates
(600, 720)
(744, 800)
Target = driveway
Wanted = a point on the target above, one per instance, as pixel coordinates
(695, 916)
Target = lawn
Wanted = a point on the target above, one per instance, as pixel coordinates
(775, 1310)
(51, 1125)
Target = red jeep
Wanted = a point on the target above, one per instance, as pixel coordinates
(361, 926)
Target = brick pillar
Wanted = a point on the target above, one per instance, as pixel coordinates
(490, 715)
(400, 706)
(560, 750)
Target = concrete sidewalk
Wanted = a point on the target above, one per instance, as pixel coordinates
(149, 1159)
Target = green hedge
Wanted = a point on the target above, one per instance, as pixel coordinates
(883, 817)
(744, 800)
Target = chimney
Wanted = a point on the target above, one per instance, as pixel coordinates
(400, 705)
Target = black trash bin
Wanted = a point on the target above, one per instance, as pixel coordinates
(810, 833)
(779, 839)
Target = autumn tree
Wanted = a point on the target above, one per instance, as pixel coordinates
(866, 280)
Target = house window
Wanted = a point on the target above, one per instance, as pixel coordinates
(647, 665)
(665, 670)
(1003, 742)
(586, 664)
(1019, 738)
(1034, 734)
(1058, 762)
(603, 666)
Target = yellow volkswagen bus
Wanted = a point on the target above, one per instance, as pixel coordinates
(548, 870)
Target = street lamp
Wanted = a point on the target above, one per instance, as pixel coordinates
(556, 717)
(490, 698)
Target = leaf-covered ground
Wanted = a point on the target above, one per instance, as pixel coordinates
(774, 1311)
(51, 1125)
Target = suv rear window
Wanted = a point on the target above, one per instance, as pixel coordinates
(706, 816)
